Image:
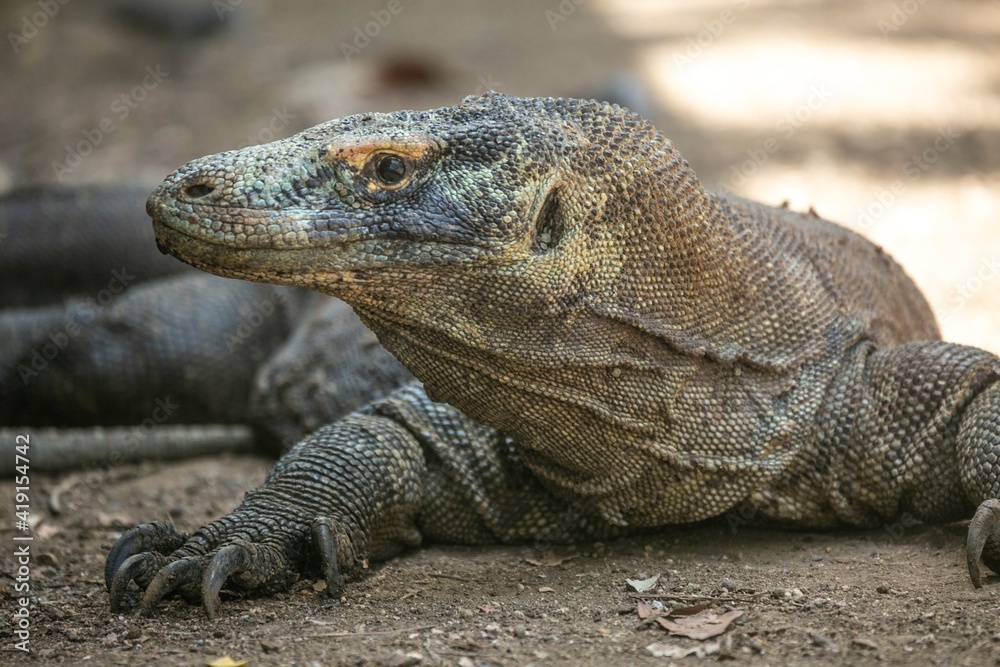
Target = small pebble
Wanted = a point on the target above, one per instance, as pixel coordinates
(271, 646)
(46, 558)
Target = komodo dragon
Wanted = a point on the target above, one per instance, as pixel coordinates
(602, 345)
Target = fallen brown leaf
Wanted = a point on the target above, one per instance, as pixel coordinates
(702, 625)
(689, 611)
(548, 560)
(645, 611)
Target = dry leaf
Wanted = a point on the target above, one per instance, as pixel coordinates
(226, 661)
(689, 611)
(642, 585)
(645, 611)
(702, 625)
(548, 560)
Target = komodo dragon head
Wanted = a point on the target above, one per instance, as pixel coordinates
(483, 218)
(535, 262)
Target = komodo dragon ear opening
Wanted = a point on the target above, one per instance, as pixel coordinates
(549, 224)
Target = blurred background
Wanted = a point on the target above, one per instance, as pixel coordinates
(883, 115)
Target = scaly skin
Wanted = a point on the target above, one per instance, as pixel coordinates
(620, 347)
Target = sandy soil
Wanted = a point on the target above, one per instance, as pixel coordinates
(884, 115)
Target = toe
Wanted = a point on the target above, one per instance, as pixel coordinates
(179, 575)
(141, 567)
(228, 560)
(984, 540)
(325, 543)
(155, 537)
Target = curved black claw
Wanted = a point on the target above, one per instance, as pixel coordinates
(140, 566)
(180, 574)
(227, 561)
(156, 537)
(327, 546)
(984, 527)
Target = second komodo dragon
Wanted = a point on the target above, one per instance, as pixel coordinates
(602, 344)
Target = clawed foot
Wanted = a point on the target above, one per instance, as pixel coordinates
(984, 540)
(160, 561)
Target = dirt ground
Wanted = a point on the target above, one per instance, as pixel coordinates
(884, 115)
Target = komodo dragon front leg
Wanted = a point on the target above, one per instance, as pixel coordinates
(554, 271)
(401, 471)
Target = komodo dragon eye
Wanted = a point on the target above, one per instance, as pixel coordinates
(391, 169)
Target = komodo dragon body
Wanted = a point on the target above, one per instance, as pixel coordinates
(602, 344)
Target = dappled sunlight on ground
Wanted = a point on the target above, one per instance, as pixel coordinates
(841, 83)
